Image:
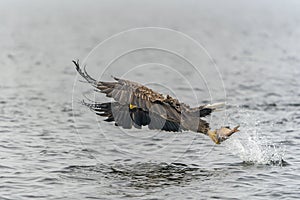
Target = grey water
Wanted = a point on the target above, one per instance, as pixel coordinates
(52, 147)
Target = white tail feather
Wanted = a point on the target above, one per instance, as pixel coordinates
(215, 106)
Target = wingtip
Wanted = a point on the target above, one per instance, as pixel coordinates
(82, 102)
(117, 79)
(76, 63)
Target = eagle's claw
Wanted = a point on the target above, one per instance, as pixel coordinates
(222, 134)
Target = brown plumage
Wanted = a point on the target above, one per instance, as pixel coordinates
(136, 105)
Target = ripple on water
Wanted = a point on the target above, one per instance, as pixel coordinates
(140, 175)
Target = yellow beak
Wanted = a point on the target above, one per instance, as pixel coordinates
(132, 106)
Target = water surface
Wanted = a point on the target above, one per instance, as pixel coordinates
(54, 148)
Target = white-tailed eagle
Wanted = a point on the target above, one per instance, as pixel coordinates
(136, 105)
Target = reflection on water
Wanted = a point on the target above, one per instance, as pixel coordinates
(142, 179)
(141, 176)
(147, 175)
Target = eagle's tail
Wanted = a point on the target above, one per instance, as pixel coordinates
(205, 110)
(215, 106)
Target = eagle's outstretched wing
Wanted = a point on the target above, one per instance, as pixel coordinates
(141, 104)
(128, 118)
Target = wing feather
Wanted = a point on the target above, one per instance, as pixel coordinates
(128, 92)
(153, 109)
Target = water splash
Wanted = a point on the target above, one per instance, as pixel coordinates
(256, 149)
(252, 146)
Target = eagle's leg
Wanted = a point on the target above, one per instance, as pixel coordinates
(221, 134)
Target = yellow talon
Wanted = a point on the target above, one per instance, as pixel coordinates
(213, 135)
(222, 134)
